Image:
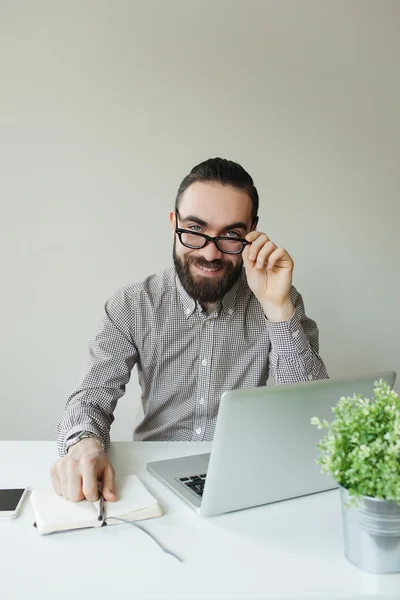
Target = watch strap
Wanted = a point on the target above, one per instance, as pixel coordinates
(81, 435)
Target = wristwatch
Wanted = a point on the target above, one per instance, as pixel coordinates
(77, 437)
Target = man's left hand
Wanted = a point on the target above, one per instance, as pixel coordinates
(269, 275)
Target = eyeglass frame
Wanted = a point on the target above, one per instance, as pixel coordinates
(208, 238)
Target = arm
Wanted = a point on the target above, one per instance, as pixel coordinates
(294, 346)
(294, 337)
(112, 355)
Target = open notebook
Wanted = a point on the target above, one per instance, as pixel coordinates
(54, 513)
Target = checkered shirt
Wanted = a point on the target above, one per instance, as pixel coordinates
(185, 358)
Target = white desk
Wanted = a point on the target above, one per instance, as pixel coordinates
(290, 549)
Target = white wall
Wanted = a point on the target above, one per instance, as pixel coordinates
(106, 105)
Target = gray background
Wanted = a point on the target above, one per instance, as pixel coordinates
(105, 106)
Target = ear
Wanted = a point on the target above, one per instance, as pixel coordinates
(255, 223)
(172, 220)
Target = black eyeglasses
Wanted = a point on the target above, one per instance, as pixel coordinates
(192, 239)
(227, 245)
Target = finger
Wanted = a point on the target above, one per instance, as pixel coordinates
(63, 477)
(253, 235)
(246, 252)
(74, 480)
(251, 251)
(256, 246)
(280, 258)
(263, 255)
(109, 484)
(90, 486)
(55, 480)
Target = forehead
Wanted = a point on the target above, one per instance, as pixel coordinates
(216, 204)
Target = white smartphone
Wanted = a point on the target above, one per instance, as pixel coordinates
(11, 501)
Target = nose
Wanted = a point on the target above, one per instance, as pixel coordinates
(211, 252)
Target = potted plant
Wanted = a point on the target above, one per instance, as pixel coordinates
(361, 451)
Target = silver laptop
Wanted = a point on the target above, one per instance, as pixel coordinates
(264, 446)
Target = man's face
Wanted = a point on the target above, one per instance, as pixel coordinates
(207, 274)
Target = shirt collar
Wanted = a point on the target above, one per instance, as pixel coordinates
(228, 301)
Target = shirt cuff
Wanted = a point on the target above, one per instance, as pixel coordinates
(288, 337)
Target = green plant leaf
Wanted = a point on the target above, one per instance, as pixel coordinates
(361, 448)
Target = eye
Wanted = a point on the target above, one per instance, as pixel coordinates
(194, 227)
(232, 234)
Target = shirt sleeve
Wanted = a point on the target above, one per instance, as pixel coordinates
(112, 356)
(294, 347)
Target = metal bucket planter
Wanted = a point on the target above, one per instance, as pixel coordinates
(371, 533)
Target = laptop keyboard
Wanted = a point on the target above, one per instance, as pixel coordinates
(195, 483)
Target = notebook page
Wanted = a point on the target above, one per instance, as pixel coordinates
(131, 495)
(52, 509)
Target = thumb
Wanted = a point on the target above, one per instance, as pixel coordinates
(248, 263)
(108, 489)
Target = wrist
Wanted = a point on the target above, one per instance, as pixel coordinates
(278, 312)
(80, 436)
(86, 442)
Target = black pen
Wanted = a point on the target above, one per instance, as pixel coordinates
(99, 503)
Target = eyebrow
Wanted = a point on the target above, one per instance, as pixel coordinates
(194, 219)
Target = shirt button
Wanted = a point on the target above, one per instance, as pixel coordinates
(230, 312)
(310, 378)
(198, 430)
(187, 311)
(295, 334)
(201, 401)
(204, 362)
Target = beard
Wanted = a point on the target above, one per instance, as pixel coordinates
(205, 289)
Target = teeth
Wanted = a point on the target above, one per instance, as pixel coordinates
(206, 269)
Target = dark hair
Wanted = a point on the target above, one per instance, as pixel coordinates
(225, 172)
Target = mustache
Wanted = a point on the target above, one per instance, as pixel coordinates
(202, 262)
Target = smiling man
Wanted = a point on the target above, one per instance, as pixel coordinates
(227, 316)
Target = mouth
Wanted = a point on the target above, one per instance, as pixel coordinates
(209, 272)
